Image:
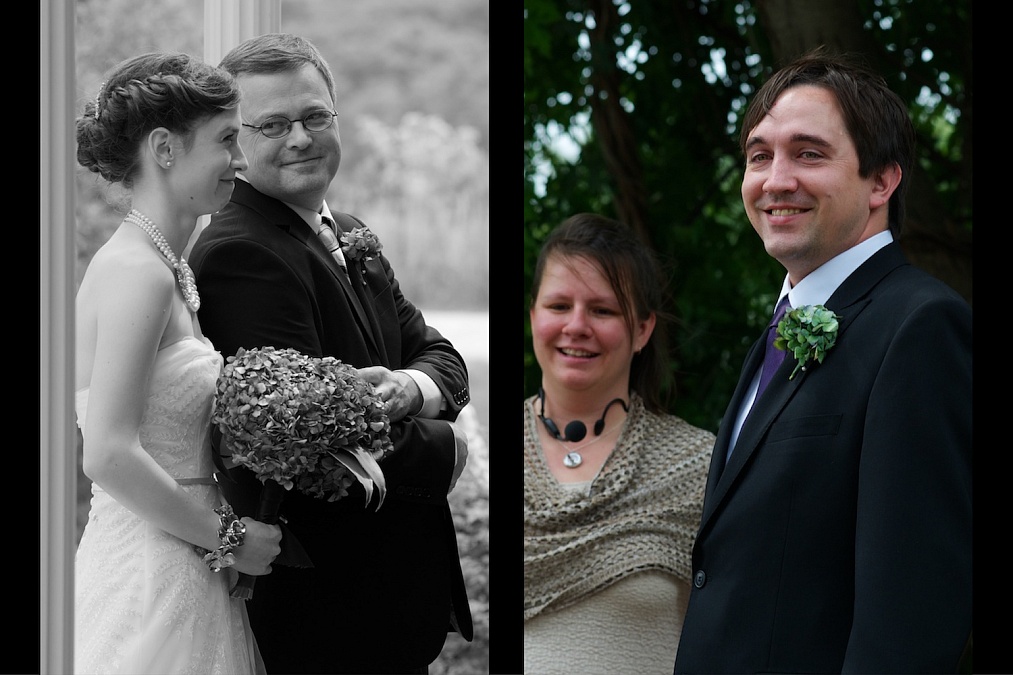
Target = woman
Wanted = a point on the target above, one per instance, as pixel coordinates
(613, 484)
(159, 548)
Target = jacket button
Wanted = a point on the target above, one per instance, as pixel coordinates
(699, 579)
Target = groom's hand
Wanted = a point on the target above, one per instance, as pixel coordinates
(396, 389)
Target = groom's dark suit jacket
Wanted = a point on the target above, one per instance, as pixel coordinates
(387, 584)
(838, 536)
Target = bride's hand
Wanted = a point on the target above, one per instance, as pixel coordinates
(261, 546)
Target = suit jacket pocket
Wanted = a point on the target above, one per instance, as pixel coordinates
(802, 427)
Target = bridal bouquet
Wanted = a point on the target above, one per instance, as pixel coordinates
(301, 422)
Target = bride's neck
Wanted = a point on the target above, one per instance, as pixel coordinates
(176, 230)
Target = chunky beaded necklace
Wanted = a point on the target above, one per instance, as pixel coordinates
(187, 282)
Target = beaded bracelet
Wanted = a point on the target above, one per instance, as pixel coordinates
(231, 535)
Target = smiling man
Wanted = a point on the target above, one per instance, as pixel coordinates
(386, 584)
(836, 527)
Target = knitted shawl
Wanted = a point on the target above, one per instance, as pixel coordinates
(642, 512)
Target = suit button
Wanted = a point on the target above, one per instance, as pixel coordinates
(699, 579)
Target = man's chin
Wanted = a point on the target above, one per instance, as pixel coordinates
(779, 244)
(307, 175)
(309, 196)
(295, 188)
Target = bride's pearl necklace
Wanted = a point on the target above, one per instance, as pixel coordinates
(187, 282)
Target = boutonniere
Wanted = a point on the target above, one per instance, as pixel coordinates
(808, 332)
(360, 244)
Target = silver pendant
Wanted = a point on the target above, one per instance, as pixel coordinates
(572, 460)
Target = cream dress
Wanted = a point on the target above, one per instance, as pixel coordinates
(144, 600)
(607, 562)
(637, 620)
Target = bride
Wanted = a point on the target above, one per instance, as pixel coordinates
(160, 547)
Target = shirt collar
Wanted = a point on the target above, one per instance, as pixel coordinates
(817, 286)
(309, 216)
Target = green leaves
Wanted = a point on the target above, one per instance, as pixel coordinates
(808, 332)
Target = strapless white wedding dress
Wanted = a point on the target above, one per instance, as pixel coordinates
(144, 600)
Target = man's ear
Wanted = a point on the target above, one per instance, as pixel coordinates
(885, 182)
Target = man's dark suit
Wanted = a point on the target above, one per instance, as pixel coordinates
(386, 585)
(838, 536)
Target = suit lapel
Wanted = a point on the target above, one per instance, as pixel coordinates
(758, 421)
(325, 257)
(848, 301)
(356, 284)
(754, 428)
(288, 220)
(724, 434)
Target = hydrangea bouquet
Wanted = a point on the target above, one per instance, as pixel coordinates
(300, 422)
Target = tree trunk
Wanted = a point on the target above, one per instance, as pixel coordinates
(611, 123)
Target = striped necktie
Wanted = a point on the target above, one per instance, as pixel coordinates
(330, 241)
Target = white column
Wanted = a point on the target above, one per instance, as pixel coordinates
(57, 430)
(226, 24)
(229, 22)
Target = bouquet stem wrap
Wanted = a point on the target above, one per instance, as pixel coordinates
(268, 510)
(304, 423)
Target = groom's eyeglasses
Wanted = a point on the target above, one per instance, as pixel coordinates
(278, 127)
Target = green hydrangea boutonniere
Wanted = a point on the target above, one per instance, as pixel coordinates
(360, 244)
(808, 332)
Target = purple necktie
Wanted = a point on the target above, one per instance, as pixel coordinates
(773, 357)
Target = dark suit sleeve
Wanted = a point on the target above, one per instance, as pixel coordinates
(914, 501)
(423, 348)
(420, 468)
(251, 297)
(423, 472)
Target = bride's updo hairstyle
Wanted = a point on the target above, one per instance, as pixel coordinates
(170, 90)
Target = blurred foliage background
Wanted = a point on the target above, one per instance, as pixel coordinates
(413, 100)
(631, 109)
(413, 96)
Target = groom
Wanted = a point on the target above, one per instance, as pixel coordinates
(386, 585)
(836, 527)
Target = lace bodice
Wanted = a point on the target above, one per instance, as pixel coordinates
(144, 600)
(177, 418)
